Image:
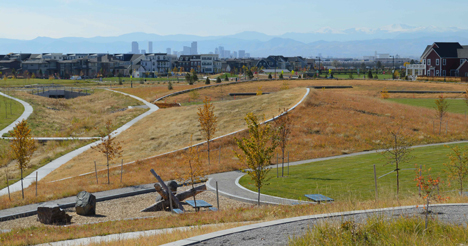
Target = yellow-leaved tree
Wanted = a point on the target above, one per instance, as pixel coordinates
(108, 146)
(457, 168)
(257, 150)
(191, 171)
(283, 128)
(441, 110)
(208, 122)
(22, 147)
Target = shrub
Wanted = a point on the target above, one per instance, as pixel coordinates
(369, 75)
(281, 76)
(207, 81)
(269, 76)
(351, 76)
(218, 80)
(226, 78)
(169, 86)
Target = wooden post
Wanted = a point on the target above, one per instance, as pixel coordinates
(8, 185)
(217, 195)
(36, 183)
(121, 170)
(170, 202)
(169, 192)
(375, 182)
(95, 170)
(420, 167)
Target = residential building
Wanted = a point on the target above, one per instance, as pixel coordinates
(208, 63)
(445, 59)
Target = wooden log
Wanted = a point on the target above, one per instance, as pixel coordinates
(161, 205)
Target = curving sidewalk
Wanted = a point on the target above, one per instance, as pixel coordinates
(45, 170)
(28, 110)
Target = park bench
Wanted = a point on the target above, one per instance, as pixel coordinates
(200, 204)
(318, 198)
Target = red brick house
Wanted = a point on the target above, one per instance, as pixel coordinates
(463, 69)
(444, 59)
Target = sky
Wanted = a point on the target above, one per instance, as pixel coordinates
(28, 19)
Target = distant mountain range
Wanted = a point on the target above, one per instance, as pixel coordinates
(357, 42)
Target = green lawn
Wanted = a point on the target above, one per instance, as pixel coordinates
(346, 76)
(9, 114)
(353, 177)
(455, 105)
(24, 82)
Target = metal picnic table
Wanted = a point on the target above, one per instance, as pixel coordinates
(319, 198)
(200, 204)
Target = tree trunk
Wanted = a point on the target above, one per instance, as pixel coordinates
(22, 190)
(427, 211)
(440, 126)
(208, 151)
(164, 203)
(258, 197)
(282, 165)
(108, 178)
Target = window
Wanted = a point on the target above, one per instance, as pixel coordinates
(437, 72)
(444, 73)
(437, 62)
(428, 62)
(444, 62)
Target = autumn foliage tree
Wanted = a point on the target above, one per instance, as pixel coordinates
(191, 171)
(208, 122)
(22, 147)
(108, 146)
(457, 168)
(428, 186)
(283, 128)
(441, 110)
(257, 150)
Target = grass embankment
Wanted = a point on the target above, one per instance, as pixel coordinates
(44, 154)
(382, 231)
(81, 116)
(44, 233)
(348, 177)
(328, 123)
(10, 110)
(455, 105)
(169, 129)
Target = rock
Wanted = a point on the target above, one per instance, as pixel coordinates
(50, 213)
(85, 203)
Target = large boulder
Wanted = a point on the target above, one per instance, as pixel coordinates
(85, 203)
(51, 213)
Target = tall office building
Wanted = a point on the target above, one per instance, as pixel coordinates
(194, 48)
(168, 51)
(150, 47)
(143, 51)
(234, 54)
(187, 50)
(135, 49)
(221, 51)
(216, 51)
(247, 55)
(241, 53)
(227, 54)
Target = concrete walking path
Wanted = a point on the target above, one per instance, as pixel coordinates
(28, 110)
(48, 168)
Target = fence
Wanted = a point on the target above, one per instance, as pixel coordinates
(444, 79)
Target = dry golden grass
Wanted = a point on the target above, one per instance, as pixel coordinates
(47, 233)
(361, 87)
(78, 117)
(170, 129)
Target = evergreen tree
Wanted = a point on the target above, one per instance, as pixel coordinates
(269, 76)
(169, 86)
(189, 79)
(194, 75)
(218, 80)
(226, 78)
(207, 81)
(369, 75)
(281, 76)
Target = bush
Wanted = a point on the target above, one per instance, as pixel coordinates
(226, 78)
(351, 76)
(376, 76)
(207, 81)
(269, 76)
(369, 74)
(281, 76)
(169, 86)
(218, 80)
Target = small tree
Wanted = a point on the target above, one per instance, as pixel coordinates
(351, 76)
(208, 122)
(283, 128)
(226, 78)
(457, 168)
(108, 146)
(257, 151)
(22, 147)
(269, 76)
(169, 86)
(281, 76)
(369, 75)
(191, 171)
(189, 79)
(397, 151)
(218, 80)
(384, 93)
(259, 91)
(194, 75)
(207, 81)
(428, 185)
(441, 110)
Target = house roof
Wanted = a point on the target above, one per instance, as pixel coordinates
(464, 63)
(463, 53)
(448, 50)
